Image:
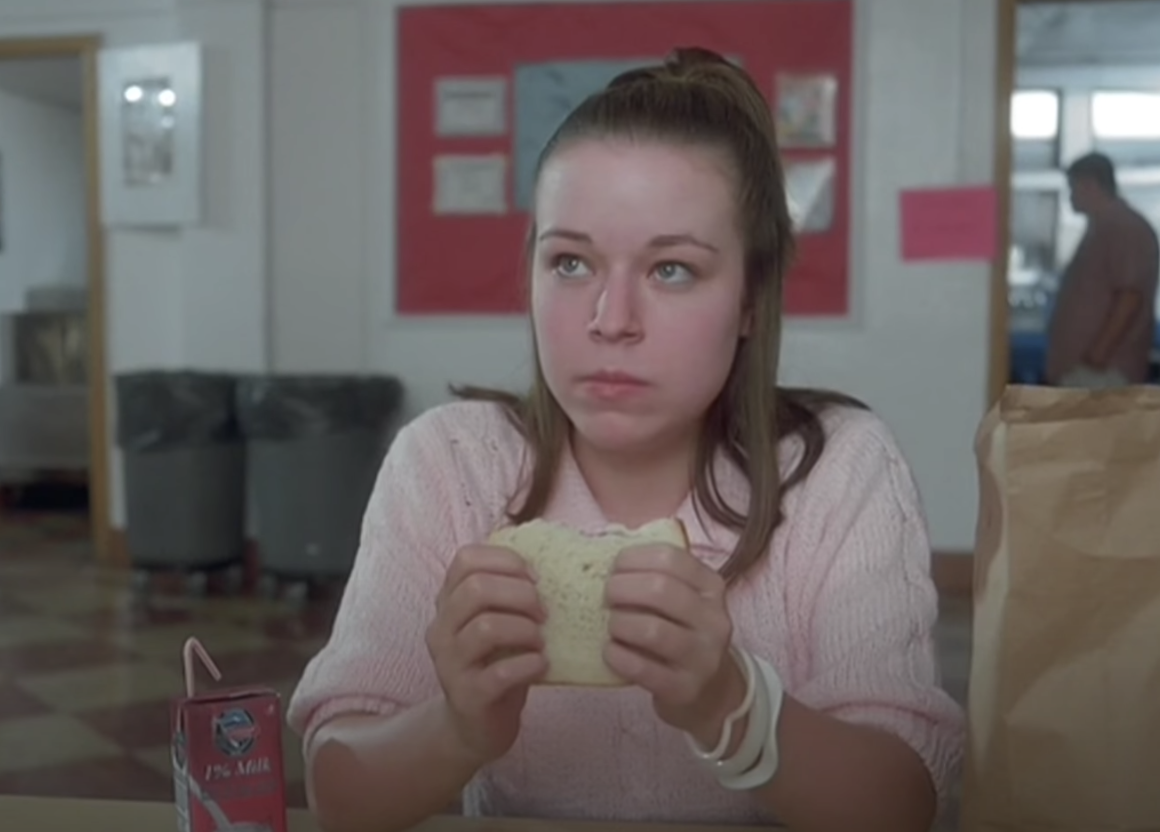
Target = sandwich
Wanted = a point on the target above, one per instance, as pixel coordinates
(572, 568)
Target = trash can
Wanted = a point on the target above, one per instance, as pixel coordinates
(184, 467)
(314, 447)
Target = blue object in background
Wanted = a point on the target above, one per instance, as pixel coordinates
(1029, 357)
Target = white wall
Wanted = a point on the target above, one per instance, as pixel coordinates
(42, 198)
(323, 98)
(223, 281)
(917, 350)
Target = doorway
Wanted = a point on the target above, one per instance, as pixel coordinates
(53, 369)
(1073, 77)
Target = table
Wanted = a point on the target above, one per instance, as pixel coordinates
(60, 814)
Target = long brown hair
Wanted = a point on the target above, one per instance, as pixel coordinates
(698, 98)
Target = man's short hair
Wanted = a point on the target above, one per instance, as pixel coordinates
(1098, 168)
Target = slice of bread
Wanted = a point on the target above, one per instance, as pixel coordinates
(572, 568)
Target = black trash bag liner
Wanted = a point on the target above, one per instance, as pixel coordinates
(159, 410)
(282, 407)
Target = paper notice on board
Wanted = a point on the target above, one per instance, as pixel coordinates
(470, 185)
(810, 193)
(950, 224)
(470, 106)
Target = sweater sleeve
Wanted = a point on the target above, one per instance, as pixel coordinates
(869, 609)
(376, 661)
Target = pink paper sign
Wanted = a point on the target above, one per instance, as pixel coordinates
(950, 224)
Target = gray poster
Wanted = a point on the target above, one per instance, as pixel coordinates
(544, 94)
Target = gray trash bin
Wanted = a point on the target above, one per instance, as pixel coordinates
(184, 467)
(314, 447)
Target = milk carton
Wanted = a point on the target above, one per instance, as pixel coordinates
(227, 756)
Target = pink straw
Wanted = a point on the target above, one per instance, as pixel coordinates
(193, 647)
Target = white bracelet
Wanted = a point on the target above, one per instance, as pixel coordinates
(767, 764)
(752, 680)
(752, 745)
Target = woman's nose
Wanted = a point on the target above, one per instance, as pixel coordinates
(615, 316)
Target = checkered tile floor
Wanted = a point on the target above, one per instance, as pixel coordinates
(88, 668)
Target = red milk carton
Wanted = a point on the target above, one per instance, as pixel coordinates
(227, 756)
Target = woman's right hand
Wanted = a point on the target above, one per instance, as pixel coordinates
(486, 644)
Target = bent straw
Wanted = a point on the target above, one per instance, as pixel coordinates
(189, 651)
(193, 647)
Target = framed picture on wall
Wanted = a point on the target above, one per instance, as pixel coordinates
(806, 110)
(151, 135)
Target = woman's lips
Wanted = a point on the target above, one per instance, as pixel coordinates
(611, 385)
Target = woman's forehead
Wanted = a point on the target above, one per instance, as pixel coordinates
(628, 190)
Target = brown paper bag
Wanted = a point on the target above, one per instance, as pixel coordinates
(1065, 678)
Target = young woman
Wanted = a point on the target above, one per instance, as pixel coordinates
(782, 668)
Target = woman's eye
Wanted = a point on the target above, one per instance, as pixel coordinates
(568, 265)
(673, 273)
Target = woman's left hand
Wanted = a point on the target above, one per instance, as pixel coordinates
(671, 634)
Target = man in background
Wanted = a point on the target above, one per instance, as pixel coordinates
(1102, 328)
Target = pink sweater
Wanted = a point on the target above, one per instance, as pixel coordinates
(843, 607)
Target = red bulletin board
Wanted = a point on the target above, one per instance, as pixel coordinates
(472, 265)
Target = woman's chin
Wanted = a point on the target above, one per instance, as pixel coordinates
(616, 433)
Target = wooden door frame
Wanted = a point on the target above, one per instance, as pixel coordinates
(87, 48)
(999, 364)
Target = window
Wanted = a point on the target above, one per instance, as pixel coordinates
(1035, 115)
(1126, 115)
(1034, 223)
